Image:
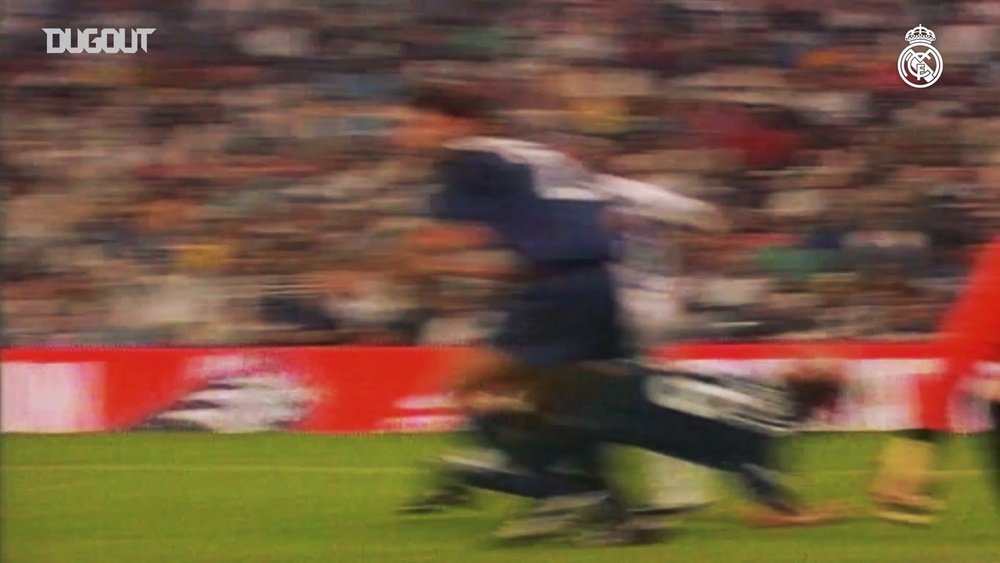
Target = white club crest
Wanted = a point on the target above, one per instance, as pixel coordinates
(920, 64)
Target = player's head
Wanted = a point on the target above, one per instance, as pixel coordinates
(438, 114)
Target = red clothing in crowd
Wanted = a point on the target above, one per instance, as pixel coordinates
(762, 147)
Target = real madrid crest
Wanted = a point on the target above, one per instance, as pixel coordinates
(920, 64)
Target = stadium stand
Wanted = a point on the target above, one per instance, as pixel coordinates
(237, 185)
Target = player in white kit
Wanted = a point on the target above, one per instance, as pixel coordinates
(647, 279)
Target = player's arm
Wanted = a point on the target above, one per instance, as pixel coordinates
(657, 202)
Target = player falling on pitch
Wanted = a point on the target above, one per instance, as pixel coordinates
(539, 204)
(969, 336)
(525, 199)
(643, 215)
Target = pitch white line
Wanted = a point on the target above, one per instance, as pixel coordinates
(330, 470)
(44, 489)
(215, 469)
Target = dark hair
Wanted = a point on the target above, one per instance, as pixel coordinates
(462, 102)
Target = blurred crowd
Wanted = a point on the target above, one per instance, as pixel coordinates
(237, 183)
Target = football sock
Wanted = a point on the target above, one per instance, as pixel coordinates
(995, 445)
(906, 464)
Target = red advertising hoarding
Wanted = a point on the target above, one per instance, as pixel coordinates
(225, 389)
(316, 389)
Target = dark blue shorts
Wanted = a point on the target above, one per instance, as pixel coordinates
(567, 317)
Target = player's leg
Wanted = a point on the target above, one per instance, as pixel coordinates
(485, 464)
(493, 390)
(564, 321)
(995, 446)
(968, 336)
(676, 486)
(566, 481)
(914, 453)
(902, 490)
(584, 404)
(510, 466)
(529, 458)
(474, 369)
(624, 406)
(992, 393)
(568, 469)
(995, 413)
(487, 471)
(553, 323)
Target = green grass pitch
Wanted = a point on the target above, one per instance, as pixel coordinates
(285, 498)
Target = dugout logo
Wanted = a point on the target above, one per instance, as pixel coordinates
(91, 40)
(238, 394)
(920, 65)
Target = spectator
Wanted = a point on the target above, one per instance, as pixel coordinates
(197, 194)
